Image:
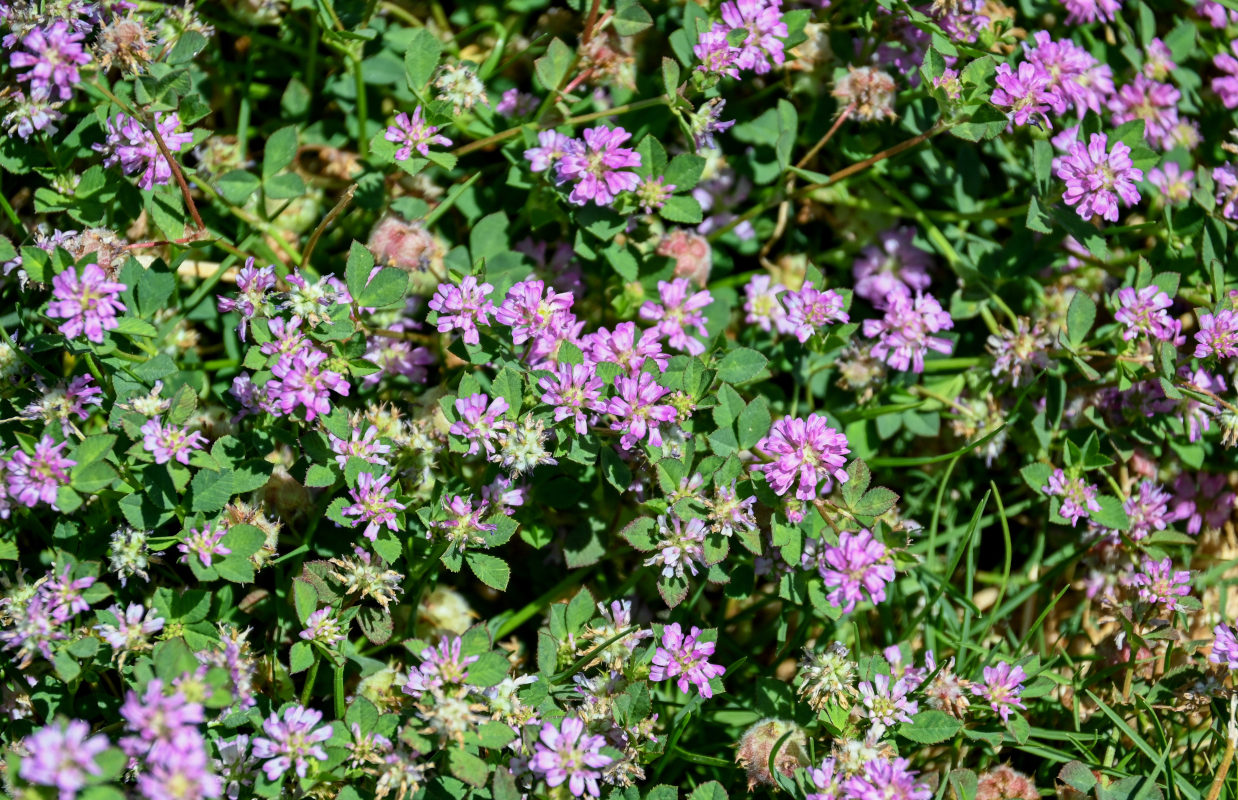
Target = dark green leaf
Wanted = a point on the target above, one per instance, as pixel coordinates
(930, 727)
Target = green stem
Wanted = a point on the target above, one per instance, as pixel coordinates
(308, 689)
(363, 139)
(394, 10)
(10, 213)
(339, 692)
(103, 383)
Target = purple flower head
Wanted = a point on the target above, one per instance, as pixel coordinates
(567, 753)
(397, 357)
(87, 302)
(1217, 336)
(133, 148)
(859, 563)
(1203, 499)
(50, 57)
(205, 544)
(763, 306)
(825, 781)
(414, 134)
(463, 307)
(1226, 86)
(1079, 12)
(680, 546)
(170, 442)
(134, 625)
(552, 146)
(809, 310)
(249, 397)
(302, 381)
(37, 478)
(762, 48)
(1153, 102)
(678, 312)
(1024, 92)
(1224, 646)
(29, 115)
(1078, 496)
(885, 702)
(253, 286)
(903, 334)
(948, 81)
(1002, 687)
(1075, 78)
(368, 447)
(882, 779)
(372, 503)
(533, 311)
(716, 53)
(1218, 16)
(505, 494)
(515, 103)
(182, 770)
(287, 339)
(892, 263)
(628, 346)
(479, 420)
(728, 513)
(32, 628)
(598, 166)
(573, 390)
(1160, 585)
(463, 527)
(322, 626)
(1176, 185)
(653, 193)
(154, 718)
(808, 452)
(686, 659)
(1148, 511)
(1158, 61)
(706, 121)
(65, 402)
(637, 410)
(1226, 179)
(291, 741)
(441, 667)
(313, 300)
(1194, 414)
(1143, 311)
(1020, 350)
(63, 594)
(1097, 178)
(62, 756)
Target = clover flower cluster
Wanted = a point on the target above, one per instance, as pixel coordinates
(301, 376)
(133, 147)
(41, 614)
(760, 49)
(162, 736)
(597, 165)
(45, 57)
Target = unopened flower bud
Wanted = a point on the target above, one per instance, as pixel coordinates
(692, 254)
(756, 747)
